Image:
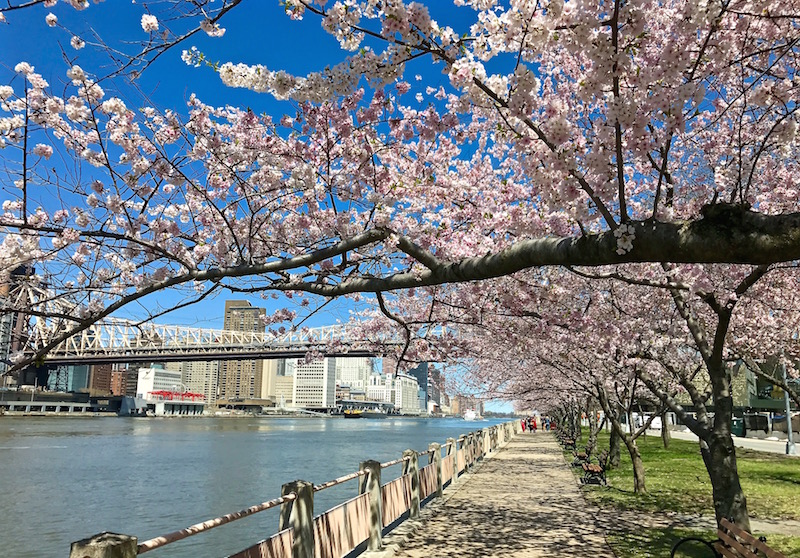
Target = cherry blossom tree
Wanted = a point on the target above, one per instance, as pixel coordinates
(580, 134)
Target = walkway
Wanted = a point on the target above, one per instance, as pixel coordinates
(522, 502)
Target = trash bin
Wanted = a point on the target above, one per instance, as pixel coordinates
(737, 426)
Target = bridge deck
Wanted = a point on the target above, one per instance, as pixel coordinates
(523, 502)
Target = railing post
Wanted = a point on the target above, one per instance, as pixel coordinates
(436, 450)
(105, 545)
(299, 515)
(452, 453)
(461, 440)
(471, 446)
(370, 484)
(411, 467)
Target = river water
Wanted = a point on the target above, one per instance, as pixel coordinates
(64, 479)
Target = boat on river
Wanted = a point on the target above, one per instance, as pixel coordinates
(472, 414)
(365, 413)
(375, 413)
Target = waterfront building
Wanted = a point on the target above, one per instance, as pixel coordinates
(401, 390)
(380, 388)
(406, 395)
(342, 392)
(354, 371)
(100, 380)
(420, 372)
(284, 390)
(164, 393)
(199, 377)
(72, 378)
(157, 379)
(270, 370)
(124, 379)
(241, 379)
(314, 383)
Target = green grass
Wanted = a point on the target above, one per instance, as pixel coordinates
(677, 481)
(657, 543)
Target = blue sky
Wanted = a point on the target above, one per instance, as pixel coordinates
(257, 31)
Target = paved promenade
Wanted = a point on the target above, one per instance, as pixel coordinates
(522, 502)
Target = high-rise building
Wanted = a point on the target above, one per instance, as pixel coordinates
(241, 379)
(380, 388)
(388, 365)
(420, 372)
(71, 378)
(435, 385)
(100, 379)
(199, 377)
(401, 390)
(406, 395)
(124, 381)
(354, 371)
(157, 379)
(314, 383)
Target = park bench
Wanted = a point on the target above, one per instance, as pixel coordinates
(568, 443)
(733, 542)
(581, 457)
(595, 473)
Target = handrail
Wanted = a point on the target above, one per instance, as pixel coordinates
(395, 462)
(158, 542)
(340, 480)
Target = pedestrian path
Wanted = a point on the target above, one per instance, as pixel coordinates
(522, 502)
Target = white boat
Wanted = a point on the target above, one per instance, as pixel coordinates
(471, 414)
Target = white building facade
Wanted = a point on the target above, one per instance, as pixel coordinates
(406, 394)
(199, 377)
(380, 388)
(158, 379)
(353, 372)
(401, 390)
(314, 383)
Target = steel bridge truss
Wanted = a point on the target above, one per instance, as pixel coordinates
(123, 341)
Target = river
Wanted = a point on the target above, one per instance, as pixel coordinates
(64, 479)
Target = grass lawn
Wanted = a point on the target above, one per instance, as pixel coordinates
(657, 543)
(677, 480)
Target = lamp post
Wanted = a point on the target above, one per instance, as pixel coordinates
(791, 449)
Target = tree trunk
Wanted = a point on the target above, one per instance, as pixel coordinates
(594, 428)
(638, 465)
(665, 433)
(719, 456)
(614, 449)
